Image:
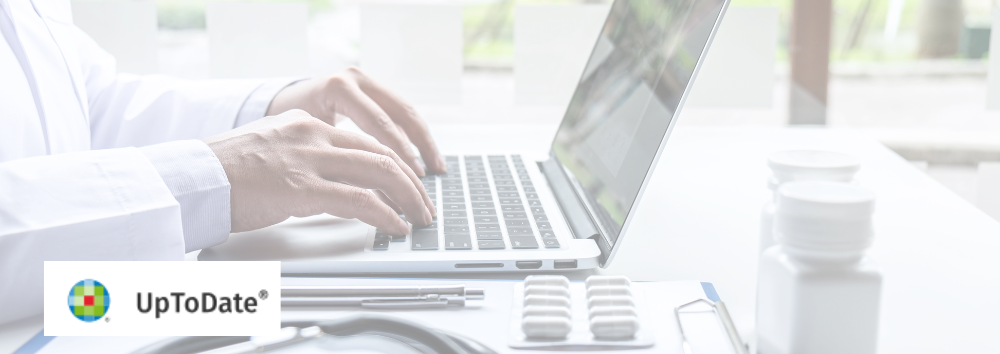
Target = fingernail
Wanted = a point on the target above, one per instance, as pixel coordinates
(404, 228)
(418, 167)
(441, 165)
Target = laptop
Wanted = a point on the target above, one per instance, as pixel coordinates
(505, 212)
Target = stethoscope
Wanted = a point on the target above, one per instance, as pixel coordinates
(420, 339)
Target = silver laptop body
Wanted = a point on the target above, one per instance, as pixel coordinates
(564, 210)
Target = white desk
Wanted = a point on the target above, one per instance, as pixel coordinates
(940, 256)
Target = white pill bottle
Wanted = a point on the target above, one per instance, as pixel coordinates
(802, 165)
(817, 291)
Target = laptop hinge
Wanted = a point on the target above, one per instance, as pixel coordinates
(574, 209)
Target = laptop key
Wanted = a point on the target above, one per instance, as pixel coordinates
(452, 187)
(425, 240)
(479, 185)
(547, 233)
(491, 245)
(454, 194)
(512, 207)
(481, 212)
(508, 195)
(529, 189)
(454, 213)
(550, 243)
(544, 226)
(541, 218)
(531, 195)
(523, 242)
(454, 207)
(462, 221)
(457, 242)
(507, 188)
(515, 215)
(479, 192)
(534, 203)
(483, 205)
(381, 242)
(537, 210)
(454, 200)
(456, 229)
(481, 198)
(524, 223)
(488, 227)
(489, 235)
(519, 231)
(487, 220)
(515, 201)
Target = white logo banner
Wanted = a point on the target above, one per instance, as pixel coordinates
(162, 298)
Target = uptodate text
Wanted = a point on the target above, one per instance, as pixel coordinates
(209, 303)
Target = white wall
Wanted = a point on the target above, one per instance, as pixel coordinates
(738, 71)
(414, 48)
(126, 29)
(551, 45)
(257, 39)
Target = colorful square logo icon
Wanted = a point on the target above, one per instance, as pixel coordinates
(89, 300)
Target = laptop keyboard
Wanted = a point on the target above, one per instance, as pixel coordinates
(486, 203)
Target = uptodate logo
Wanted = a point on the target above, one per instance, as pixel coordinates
(89, 300)
(207, 303)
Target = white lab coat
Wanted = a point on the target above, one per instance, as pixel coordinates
(73, 185)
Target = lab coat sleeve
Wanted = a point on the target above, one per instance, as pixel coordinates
(83, 206)
(198, 182)
(139, 110)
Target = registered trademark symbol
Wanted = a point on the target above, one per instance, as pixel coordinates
(107, 319)
(262, 294)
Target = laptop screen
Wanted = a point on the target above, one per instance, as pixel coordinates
(627, 97)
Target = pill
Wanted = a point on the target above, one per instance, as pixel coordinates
(546, 327)
(612, 311)
(605, 280)
(608, 290)
(546, 290)
(545, 300)
(550, 311)
(549, 280)
(614, 327)
(610, 301)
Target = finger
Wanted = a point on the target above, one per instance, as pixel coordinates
(373, 120)
(385, 199)
(347, 140)
(406, 117)
(374, 171)
(350, 202)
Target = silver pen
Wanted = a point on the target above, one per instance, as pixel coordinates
(381, 297)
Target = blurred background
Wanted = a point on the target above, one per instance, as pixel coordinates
(913, 74)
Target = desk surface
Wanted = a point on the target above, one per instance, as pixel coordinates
(699, 218)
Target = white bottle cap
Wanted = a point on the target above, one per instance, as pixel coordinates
(823, 217)
(805, 165)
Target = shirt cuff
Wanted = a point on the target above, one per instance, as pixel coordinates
(196, 179)
(255, 106)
